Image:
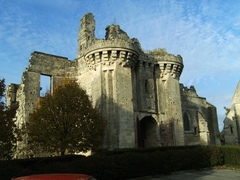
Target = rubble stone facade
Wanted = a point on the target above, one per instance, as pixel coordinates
(137, 92)
(231, 129)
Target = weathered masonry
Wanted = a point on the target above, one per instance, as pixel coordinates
(231, 129)
(138, 92)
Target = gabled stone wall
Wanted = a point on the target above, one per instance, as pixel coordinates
(231, 129)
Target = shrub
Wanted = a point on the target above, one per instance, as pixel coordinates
(231, 155)
(132, 163)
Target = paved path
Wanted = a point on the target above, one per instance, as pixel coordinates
(213, 174)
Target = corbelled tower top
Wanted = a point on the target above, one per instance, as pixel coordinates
(170, 65)
(116, 47)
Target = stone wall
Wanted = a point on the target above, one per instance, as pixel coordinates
(231, 129)
(203, 120)
(28, 92)
(137, 92)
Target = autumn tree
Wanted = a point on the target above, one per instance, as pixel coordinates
(66, 121)
(8, 129)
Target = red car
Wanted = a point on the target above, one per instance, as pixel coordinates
(56, 177)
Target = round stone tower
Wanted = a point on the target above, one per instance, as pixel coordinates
(105, 71)
(170, 111)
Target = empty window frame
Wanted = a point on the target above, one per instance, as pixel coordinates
(186, 123)
(45, 84)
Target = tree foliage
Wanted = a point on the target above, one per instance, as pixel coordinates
(66, 121)
(8, 129)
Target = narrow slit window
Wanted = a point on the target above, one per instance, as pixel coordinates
(231, 129)
(186, 123)
(195, 131)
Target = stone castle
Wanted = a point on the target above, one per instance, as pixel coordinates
(231, 129)
(138, 92)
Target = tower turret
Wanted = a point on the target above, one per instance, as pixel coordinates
(110, 62)
(170, 69)
(170, 65)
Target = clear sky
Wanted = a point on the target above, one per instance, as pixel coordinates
(206, 33)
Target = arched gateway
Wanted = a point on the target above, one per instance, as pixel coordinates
(147, 132)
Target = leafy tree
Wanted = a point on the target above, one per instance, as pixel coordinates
(66, 121)
(8, 129)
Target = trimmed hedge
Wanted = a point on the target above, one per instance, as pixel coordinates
(231, 155)
(122, 164)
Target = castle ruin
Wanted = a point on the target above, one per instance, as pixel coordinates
(137, 92)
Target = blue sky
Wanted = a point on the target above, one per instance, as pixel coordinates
(206, 33)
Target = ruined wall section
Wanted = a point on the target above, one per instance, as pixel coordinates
(51, 65)
(86, 32)
(28, 92)
(196, 122)
(11, 94)
(41, 64)
(202, 118)
(27, 97)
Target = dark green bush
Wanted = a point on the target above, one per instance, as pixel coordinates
(231, 155)
(128, 163)
(9, 170)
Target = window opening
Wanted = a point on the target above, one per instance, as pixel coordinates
(231, 129)
(146, 86)
(186, 122)
(45, 85)
(195, 130)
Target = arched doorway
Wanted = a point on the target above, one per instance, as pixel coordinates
(147, 128)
